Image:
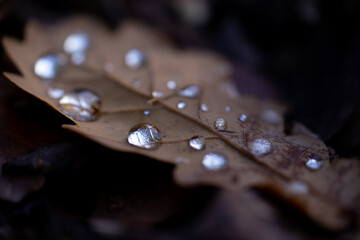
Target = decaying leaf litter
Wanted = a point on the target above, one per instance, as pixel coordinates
(131, 91)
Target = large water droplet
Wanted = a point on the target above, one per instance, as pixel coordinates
(135, 59)
(81, 105)
(314, 164)
(260, 147)
(49, 66)
(220, 124)
(242, 117)
(181, 105)
(171, 85)
(214, 161)
(76, 43)
(191, 91)
(204, 107)
(144, 135)
(55, 93)
(197, 143)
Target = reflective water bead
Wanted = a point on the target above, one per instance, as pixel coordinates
(197, 143)
(271, 116)
(81, 105)
(135, 59)
(181, 105)
(214, 161)
(191, 91)
(228, 109)
(144, 135)
(76, 42)
(171, 85)
(242, 117)
(314, 164)
(204, 107)
(147, 112)
(220, 124)
(49, 66)
(55, 93)
(157, 94)
(260, 147)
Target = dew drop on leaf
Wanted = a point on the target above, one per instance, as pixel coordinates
(197, 143)
(147, 112)
(55, 93)
(260, 147)
(204, 108)
(157, 94)
(81, 105)
(242, 117)
(49, 66)
(135, 59)
(78, 58)
(228, 109)
(144, 135)
(76, 43)
(297, 188)
(171, 85)
(214, 161)
(220, 124)
(191, 91)
(181, 105)
(314, 164)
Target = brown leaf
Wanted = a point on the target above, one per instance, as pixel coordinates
(257, 151)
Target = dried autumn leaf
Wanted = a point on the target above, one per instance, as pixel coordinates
(179, 95)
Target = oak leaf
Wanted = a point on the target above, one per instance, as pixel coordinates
(184, 94)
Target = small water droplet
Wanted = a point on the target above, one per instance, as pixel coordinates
(144, 135)
(49, 66)
(55, 93)
(204, 107)
(197, 143)
(81, 105)
(260, 147)
(228, 109)
(157, 94)
(171, 85)
(271, 116)
(78, 58)
(109, 67)
(214, 161)
(138, 84)
(191, 91)
(298, 188)
(76, 42)
(181, 105)
(135, 59)
(314, 164)
(220, 124)
(147, 112)
(242, 117)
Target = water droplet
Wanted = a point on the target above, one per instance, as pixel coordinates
(214, 161)
(76, 42)
(144, 135)
(55, 93)
(49, 66)
(81, 105)
(138, 84)
(271, 116)
(109, 67)
(78, 58)
(204, 107)
(298, 188)
(197, 143)
(242, 117)
(314, 164)
(228, 109)
(260, 147)
(181, 105)
(191, 91)
(171, 85)
(220, 124)
(135, 59)
(147, 112)
(157, 94)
